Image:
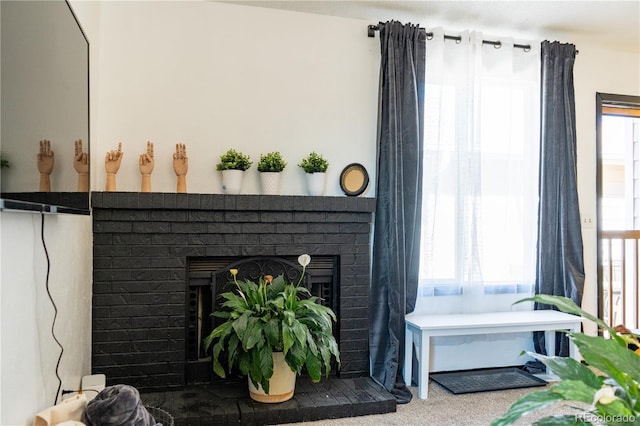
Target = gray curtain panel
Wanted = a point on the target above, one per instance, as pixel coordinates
(396, 237)
(560, 262)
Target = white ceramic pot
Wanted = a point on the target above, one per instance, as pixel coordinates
(232, 181)
(270, 182)
(316, 183)
(281, 385)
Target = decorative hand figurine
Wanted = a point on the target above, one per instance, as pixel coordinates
(146, 167)
(81, 164)
(112, 164)
(180, 166)
(45, 165)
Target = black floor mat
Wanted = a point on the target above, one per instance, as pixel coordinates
(486, 380)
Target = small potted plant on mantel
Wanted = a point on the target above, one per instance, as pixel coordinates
(232, 165)
(271, 330)
(315, 167)
(270, 167)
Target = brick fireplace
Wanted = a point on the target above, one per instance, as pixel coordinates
(145, 242)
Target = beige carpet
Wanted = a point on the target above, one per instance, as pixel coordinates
(446, 409)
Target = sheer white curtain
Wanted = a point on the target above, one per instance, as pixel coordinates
(480, 174)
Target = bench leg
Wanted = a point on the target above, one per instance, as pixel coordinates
(408, 354)
(423, 365)
(550, 343)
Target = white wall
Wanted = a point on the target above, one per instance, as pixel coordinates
(28, 353)
(217, 76)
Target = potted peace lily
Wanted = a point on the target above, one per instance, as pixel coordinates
(233, 164)
(315, 167)
(270, 167)
(271, 330)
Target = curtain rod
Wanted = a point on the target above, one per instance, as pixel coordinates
(371, 29)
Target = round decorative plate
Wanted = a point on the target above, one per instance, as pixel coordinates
(354, 179)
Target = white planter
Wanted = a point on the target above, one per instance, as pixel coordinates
(270, 182)
(232, 181)
(281, 385)
(316, 183)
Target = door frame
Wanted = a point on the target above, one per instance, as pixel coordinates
(624, 104)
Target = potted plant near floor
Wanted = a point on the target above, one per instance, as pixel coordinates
(315, 167)
(233, 164)
(271, 330)
(607, 385)
(270, 167)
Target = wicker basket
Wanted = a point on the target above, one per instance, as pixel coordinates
(161, 416)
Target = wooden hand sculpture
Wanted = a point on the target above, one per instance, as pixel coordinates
(81, 164)
(45, 165)
(146, 163)
(180, 166)
(112, 164)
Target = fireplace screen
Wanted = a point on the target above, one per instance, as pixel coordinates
(209, 277)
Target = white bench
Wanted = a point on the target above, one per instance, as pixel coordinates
(420, 328)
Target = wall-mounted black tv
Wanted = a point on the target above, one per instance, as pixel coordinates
(44, 97)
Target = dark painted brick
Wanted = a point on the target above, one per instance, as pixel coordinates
(188, 251)
(130, 215)
(205, 216)
(170, 239)
(169, 215)
(292, 228)
(248, 202)
(242, 239)
(150, 251)
(275, 239)
(257, 250)
(277, 203)
(101, 262)
(258, 228)
(324, 228)
(205, 239)
(102, 239)
(96, 199)
(310, 217)
(130, 262)
(131, 239)
(276, 216)
(146, 294)
(339, 238)
(241, 217)
(188, 228)
(113, 227)
(151, 227)
(224, 250)
(182, 202)
(111, 299)
(300, 239)
(224, 228)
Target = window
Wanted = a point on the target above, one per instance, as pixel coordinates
(480, 178)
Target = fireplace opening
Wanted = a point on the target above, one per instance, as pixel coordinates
(208, 277)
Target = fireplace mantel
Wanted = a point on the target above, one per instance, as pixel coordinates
(142, 246)
(223, 202)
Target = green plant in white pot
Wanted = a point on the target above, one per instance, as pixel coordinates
(315, 167)
(232, 165)
(272, 329)
(270, 167)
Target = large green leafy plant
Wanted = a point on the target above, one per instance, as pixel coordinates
(610, 389)
(269, 316)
